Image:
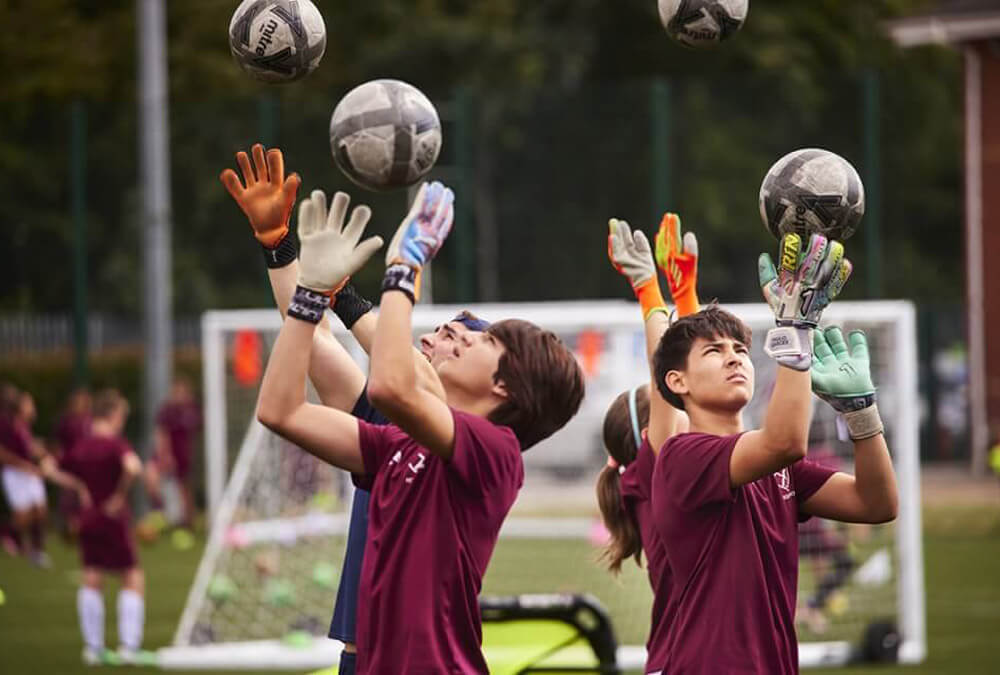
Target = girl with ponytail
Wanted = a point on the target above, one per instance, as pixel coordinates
(640, 421)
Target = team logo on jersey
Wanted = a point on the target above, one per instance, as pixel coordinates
(784, 480)
(416, 467)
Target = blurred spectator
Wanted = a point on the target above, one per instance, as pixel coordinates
(177, 424)
(73, 425)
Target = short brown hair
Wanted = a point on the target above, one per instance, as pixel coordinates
(10, 400)
(543, 380)
(675, 345)
(619, 441)
(107, 402)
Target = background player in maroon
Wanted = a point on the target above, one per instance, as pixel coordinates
(639, 421)
(177, 424)
(727, 502)
(444, 475)
(108, 465)
(73, 425)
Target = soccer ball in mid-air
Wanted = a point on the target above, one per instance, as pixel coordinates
(385, 134)
(812, 191)
(702, 23)
(277, 40)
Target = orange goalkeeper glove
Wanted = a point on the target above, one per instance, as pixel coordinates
(265, 196)
(678, 258)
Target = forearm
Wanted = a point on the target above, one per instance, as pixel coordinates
(875, 478)
(283, 389)
(12, 459)
(124, 484)
(663, 417)
(393, 371)
(786, 422)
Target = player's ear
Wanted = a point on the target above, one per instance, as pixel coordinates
(499, 389)
(676, 382)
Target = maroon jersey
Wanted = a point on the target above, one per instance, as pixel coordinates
(181, 422)
(16, 437)
(734, 557)
(71, 428)
(105, 541)
(636, 484)
(432, 527)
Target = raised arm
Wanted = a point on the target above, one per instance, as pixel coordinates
(841, 376)
(393, 385)
(329, 256)
(267, 197)
(797, 296)
(630, 254)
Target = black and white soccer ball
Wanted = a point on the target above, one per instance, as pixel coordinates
(702, 23)
(812, 191)
(385, 134)
(277, 40)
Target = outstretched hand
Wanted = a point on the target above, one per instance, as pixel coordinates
(678, 258)
(630, 254)
(425, 228)
(841, 371)
(807, 281)
(264, 194)
(330, 252)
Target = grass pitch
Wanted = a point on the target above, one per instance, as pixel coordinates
(39, 634)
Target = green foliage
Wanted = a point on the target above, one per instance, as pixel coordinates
(560, 124)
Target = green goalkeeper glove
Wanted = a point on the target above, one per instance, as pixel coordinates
(841, 376)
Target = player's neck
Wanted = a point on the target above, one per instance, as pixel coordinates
(474, 405)
(102, 429)
(718, 422)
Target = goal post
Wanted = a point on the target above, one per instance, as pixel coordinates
(266, 585)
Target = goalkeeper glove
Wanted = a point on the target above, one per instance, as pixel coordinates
(630, 254)
(841, 376)
(267, 198)
(418, 238)
(330, 252)
(678, 258)
(806, 284)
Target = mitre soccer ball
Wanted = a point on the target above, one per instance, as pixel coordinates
(812, 191)
(702, 23)
(277, 40)
(385, 134)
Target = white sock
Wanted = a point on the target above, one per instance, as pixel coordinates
(131, 617)
(90, 608)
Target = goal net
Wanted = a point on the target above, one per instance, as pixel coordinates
(265, 588)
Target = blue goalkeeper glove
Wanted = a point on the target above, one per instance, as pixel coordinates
(841, 376)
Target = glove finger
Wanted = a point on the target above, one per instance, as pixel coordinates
(858, 345)
(691, 244)
(675, 232)
(834, 254)
(363, 251)
(838, 280)
(232, 183)
(445, 212)
(356, 225)
(338, 211)
(318, 211)
(291, 188)
(835, 338)
(244, 163)
(259, 163)
(821, 348)
(275, 167)
(306, 219)
(418, 203)
(432, 199)
(791, 245)
(812, 262)
(641, 245)
(766, 273)
(660, 246)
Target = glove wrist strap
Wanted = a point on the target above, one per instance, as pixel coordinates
(308, 305)
(865, 423)
(650, 298)
(402, 277)
(349, 306)
(283, 253)
(790, 346)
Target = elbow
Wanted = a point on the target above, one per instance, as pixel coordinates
(888, 512)
(386, 393)
(270, 415)
(792, 451)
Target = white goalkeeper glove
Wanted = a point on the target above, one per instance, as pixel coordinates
(329, 252)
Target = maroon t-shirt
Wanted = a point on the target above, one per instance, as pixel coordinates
(432, 526)
(181, 421)
(636, 486)
(734, 558)
(71, 428)
(16, 437)
(97, 461)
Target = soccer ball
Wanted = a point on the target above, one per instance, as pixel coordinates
(385, 134)
(277, 40)
(812, 191)
(702, 23)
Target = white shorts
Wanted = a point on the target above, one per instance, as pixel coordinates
(24, 490)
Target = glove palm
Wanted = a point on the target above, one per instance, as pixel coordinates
(264, 194)
(678, 258)
(424, 229)
(330, 253)
(841, 374)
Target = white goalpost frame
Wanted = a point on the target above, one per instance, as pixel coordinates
(611, 316)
